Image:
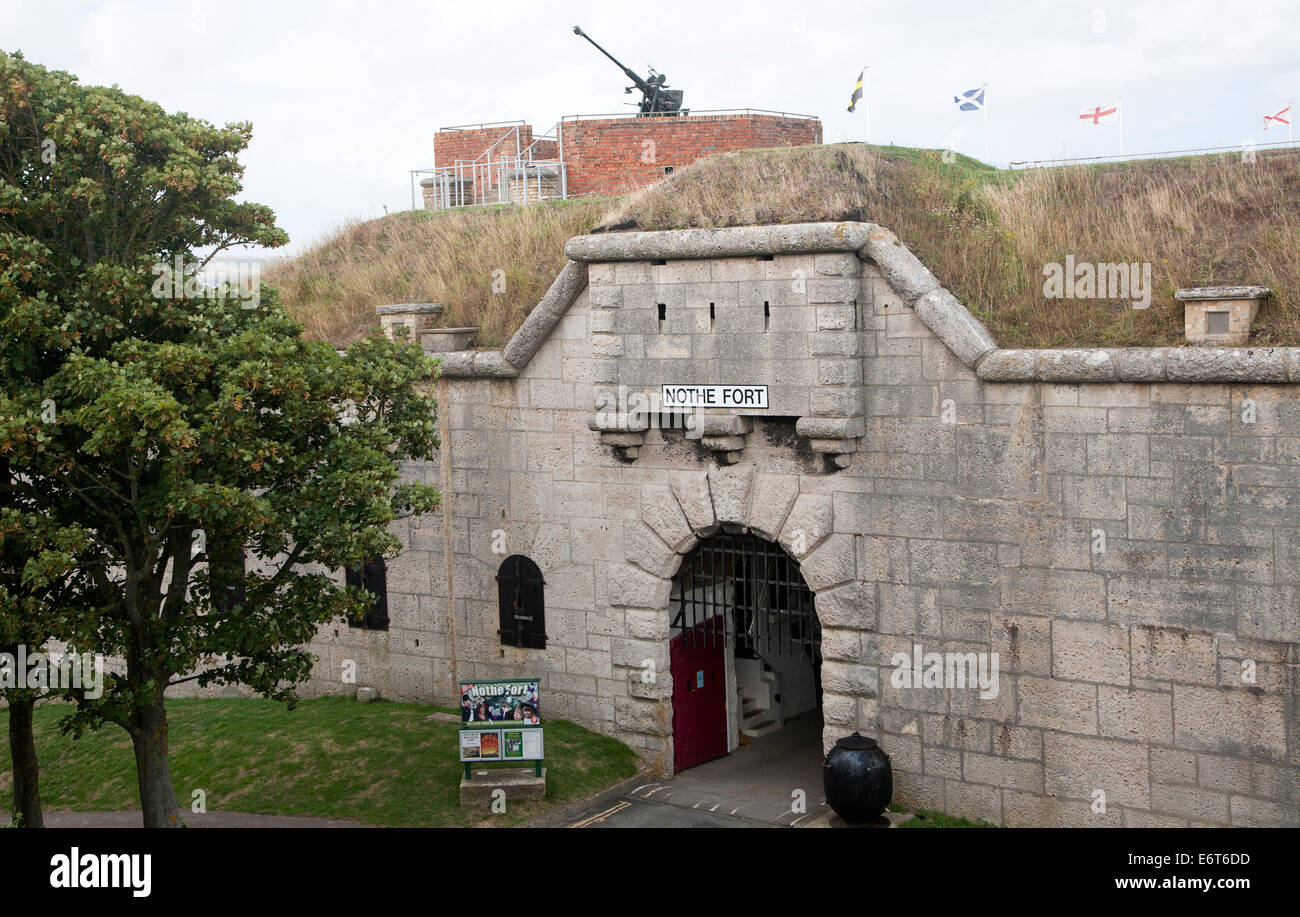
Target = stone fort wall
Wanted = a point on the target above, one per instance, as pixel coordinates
(1121, 527)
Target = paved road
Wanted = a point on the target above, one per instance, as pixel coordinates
(631, 812)
(776, 781)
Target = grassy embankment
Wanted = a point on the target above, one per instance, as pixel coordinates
(986, 233)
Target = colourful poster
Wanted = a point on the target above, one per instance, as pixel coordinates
(510, 702)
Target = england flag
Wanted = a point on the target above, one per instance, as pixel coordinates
(1100, 113)
(1282, 117)
(972, 100)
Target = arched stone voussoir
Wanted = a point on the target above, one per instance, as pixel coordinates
(691, 488)
(644, 548)
(660, 511)
(807, 526)
(772, 497)
(730, 487)
(848, 605)
(833, 563)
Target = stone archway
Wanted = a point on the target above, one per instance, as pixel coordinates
(690, 506)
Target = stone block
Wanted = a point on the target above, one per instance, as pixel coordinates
(1074, 767)
(1090, 651)
(1057, 705)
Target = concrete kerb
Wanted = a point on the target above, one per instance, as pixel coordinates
(564, 816)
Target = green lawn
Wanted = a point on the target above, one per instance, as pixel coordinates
(378, 763)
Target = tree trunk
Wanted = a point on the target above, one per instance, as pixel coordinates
(153, 770)
(22, 748)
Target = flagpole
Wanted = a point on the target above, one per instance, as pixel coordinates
(1289, 121)
(986, 122)
(866, 97)
(1120, 106)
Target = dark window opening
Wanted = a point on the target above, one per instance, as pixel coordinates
(226, 577)
(663, 315)
(372, 577)
(659, 262)
(522, 603)
(668, 170)
(712, 316)
(767, 257)
(1217, 323)
(767, 315)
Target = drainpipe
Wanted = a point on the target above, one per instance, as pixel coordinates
(444, 447)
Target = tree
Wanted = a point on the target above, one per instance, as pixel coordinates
(39, 598)
(179, 423)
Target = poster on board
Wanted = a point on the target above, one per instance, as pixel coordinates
(501, 720)
(510, 702)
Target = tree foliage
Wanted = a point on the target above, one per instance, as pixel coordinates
(158, 432)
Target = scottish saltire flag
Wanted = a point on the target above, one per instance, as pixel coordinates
(1282, 117)
(857, 91)
(1100, 113)
(972, 100)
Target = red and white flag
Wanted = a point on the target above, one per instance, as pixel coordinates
(1282, 117)
(1107, 112)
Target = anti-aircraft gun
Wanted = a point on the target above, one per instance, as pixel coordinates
(655, 99)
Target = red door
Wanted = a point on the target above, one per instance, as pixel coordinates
(699, 697)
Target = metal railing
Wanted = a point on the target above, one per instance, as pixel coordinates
(712, 112)
(496, 177)
(1246, 147)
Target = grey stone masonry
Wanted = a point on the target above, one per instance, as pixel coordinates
(1118, 528)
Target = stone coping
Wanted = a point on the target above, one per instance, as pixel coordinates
(731, 242)
(1195, 294)
(935, 306)
(409, 308)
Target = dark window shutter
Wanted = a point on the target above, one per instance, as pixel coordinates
(228, 564)
(375, 575)
(372, 577)
(522, 603)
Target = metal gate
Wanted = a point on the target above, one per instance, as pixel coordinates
(745, 587)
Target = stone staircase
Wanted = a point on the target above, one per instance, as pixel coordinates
(760, 698)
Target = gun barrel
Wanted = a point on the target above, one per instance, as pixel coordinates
(640, 83)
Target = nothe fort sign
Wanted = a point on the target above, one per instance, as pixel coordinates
(751, 397)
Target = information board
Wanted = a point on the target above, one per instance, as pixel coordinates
(501, 720)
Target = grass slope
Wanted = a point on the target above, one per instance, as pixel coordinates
(450, 257)
(986, 233)
(377, 763)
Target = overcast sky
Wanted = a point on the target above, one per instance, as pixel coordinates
(345, 96)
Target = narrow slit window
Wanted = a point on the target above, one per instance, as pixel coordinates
(767, 315)
(713, 316)
(663, 315)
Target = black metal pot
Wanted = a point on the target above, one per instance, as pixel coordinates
(858, 779)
